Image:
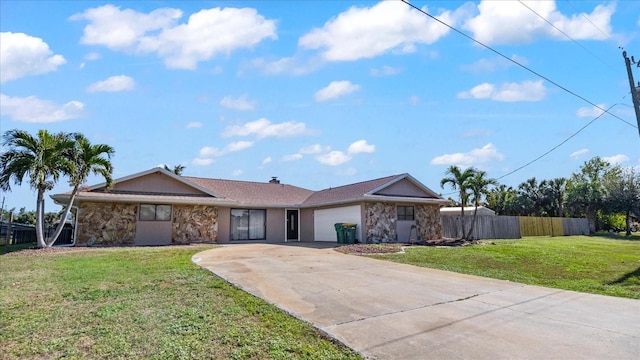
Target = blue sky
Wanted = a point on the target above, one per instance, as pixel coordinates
(324, 93)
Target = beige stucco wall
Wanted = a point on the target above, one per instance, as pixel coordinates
(306, 225)
(194, 224)
(106, 224)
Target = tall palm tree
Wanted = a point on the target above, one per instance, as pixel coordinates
(459, 179)
(43, 159)
(87, 158)
(478, 186)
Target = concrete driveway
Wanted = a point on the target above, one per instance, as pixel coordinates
(386, 310)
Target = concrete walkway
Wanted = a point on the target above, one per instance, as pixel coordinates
(386, 310)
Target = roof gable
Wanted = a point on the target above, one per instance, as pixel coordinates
(395, 186)
(405, 186)
(155, 181)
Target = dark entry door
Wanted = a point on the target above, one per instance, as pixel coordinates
(292, 225)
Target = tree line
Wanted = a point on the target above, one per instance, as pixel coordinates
(606, 194)
(43, 160)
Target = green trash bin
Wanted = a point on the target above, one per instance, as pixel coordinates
(349, 233)
(339, 232)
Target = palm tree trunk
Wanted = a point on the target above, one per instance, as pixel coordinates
(40, 220)
(462, 220)
(473, 223)
(63, 219)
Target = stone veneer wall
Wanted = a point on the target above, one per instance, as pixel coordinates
(107, 224)
(380, 222)
(194, 224)
(428, 221)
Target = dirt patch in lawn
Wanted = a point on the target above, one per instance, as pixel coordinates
(390, 248)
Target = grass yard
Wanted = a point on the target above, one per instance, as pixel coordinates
(141, 303)
(607, 265)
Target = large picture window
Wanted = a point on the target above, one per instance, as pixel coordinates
(405, 213)
(152, 212)
(248, 224)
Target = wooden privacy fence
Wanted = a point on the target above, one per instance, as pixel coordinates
(514, 227)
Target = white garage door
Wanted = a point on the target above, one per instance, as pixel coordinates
(323, 221)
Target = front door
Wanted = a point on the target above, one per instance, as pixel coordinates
(292, 225)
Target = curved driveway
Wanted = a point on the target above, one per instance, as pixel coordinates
(386, 310)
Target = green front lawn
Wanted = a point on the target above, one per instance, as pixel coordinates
(608, 265)
(141, 303)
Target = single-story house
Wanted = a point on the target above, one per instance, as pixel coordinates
(158, 207)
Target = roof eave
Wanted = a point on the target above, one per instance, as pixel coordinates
(63, 199)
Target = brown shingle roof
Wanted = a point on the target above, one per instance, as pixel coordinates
(348, 192)
(254, 193)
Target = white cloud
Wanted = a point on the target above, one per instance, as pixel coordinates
(366, 32)
(483, 155)
(23, 55)
(507, 92)
(616, 159)
(237, 146)
(113, 84)
(34, 110)
(289, 65)
(237, 173)
(179, 45)
(267, 160)
(240, 103)
(209, 151)
(385, 71)
(263, 128)
(335, 90)
(579, 153)
(194, 125)
(361, 146)
(591, 112)
(333, 158)
(207, 154)
(202, 162)
(291, 157)
(497, 20)
(314, 149)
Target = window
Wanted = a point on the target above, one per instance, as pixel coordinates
(151, 212)
(405, 213)
(248, 224)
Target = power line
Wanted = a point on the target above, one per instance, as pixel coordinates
(587, 18)
(553, 148)
(517, 63)
(560, 144)
(565, 34)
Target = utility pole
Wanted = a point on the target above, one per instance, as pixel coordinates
(634, 90)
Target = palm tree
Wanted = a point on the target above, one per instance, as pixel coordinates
(478, 185)
(43, 159)
(87, 159)
(459, 179)
(176, 169)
